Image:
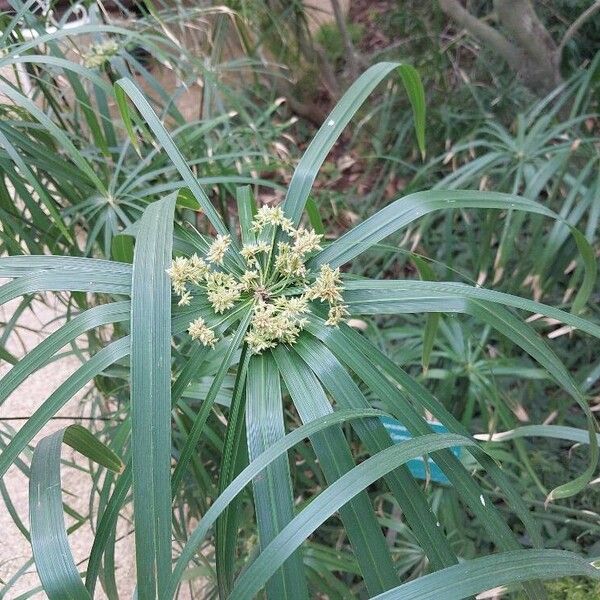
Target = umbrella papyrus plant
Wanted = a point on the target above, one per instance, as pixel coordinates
(257, 314)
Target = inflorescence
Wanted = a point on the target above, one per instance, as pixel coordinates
(275, 282)
(100, 53)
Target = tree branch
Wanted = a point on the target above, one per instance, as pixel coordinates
(576, 25)
(351, 57)
(486, 34)
(522, 23)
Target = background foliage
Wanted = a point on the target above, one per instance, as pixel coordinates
(231, 95)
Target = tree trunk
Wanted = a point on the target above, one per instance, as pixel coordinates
(523, 42)
(540, 66)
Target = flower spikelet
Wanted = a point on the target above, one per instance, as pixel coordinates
(201, 332)
(289, 262)
(223, 290)
(98, 54)
(250, 280)
(306, 241)
(271, 215)
(250, 251)
(327, 286)
(337, 314)
(217, 250)
(275, 323)
(179, 274)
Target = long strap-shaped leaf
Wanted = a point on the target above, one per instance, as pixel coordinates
(75, 382)
(273, 495)
(366, 296)
(364, 359)
(232, 458)
(106, 527)
(33, 181)
(526, 338)
(195, 433)
(127, 86)
(411, 498)
(51, 551)
(250, 472)
(15, 266)
(45, 350)
(481, 574)
(558, 432)
(335, 459)
(73, 281)
(151, 397)
(60, 135)
(406, 210)
(332, 499)
(311, 161)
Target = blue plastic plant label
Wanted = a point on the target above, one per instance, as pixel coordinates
(417, 467)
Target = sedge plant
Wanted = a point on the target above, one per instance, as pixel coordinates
(256, 318)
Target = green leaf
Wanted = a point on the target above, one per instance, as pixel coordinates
(60, 135)
(273, 494)
(335, 497)
(406, 296)
(151, 397)
(431, 326)
(504, 322)
(314, 156)
(51, 551)
(481, 574)
(106, 527)
(398, 396)
(335, 459)
(314, 218)
(234, 454)
(45, 350)
(559, 432)
(171, 149)
(406, 210)
(121, 248)
(26, 172)
(250, 472)
(195, 433)
(74, 281)
(246, 206)
(16, 266)
(338, 382)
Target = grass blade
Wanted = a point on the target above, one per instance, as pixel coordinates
(481, 574)
(51, 551)
(338, 494)
(273, 495)
(335, 459)
(151, 397)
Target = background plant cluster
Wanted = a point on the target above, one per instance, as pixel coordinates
(241, 87)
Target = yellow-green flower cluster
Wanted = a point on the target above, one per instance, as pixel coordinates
(201, 332)
(271, 215)
(275, 283)
(100, 53)
(328, 288)
(276, 322)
